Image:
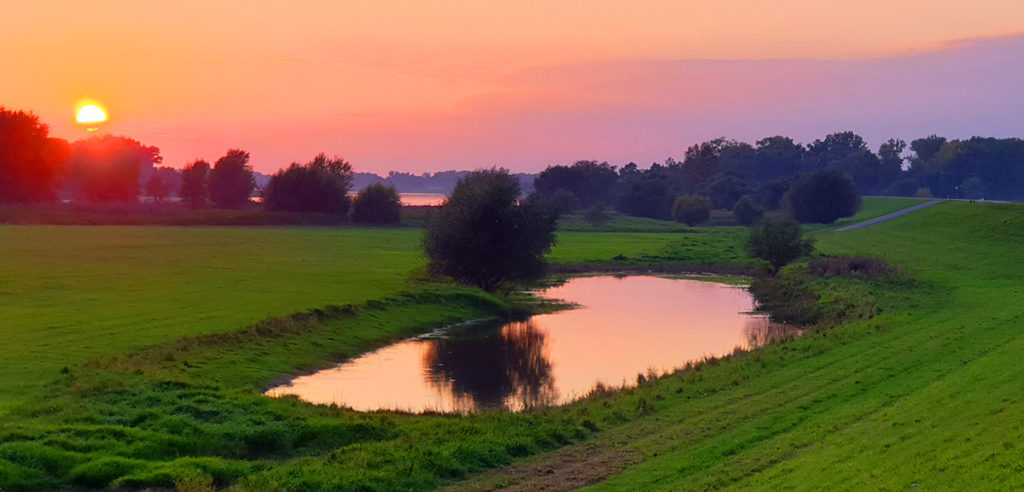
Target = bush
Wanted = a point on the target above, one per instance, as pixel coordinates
(778, 241)
(597, 215)
(691, 209)
(747, 212)
(377, 204)
(923, 193)
(321, 185)
(481, 236)
(726, 190)
(823, 197)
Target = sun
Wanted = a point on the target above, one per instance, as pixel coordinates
(91, 114)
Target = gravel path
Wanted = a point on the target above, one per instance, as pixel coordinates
(891, 216)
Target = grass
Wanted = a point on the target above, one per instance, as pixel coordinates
(924, 393)
(69, 293)
(871, 207)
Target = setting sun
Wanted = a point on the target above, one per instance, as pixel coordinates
(90, 114)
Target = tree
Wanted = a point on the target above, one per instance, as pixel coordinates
(589, 181)
(647, 197)
(158, 189)
(596, 215)
(194, 181)
(778, 241)
(482, 236)
(823, 197)
(321, 185)
(231, 180)
(106, 168)
(30, 161)
(691, 209)
(725, 190)
(746, 211)
(376, 204)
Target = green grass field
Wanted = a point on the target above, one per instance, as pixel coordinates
(924, 393)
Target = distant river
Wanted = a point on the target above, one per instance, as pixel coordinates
(421, 198)
(624, 326)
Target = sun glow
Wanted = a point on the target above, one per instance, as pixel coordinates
(91, 114)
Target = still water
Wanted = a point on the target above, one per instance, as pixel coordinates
(420, 199)
(624, 326)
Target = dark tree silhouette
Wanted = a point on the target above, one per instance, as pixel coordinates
(158, 189)
(778, 241)
(194, 184)
(106, 168)
(321, 185)
(377, 204)
(823, 197)
(691, 209)
(725, 190)
(231, 180)
(647, 197)
(482, 236)
(588, 181)
(30, 161)
(746, 211)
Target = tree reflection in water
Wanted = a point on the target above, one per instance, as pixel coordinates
(492, 369)
(760, 331)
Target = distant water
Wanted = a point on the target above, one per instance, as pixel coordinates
(417, 199)
(625, 326)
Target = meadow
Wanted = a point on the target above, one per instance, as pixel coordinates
(99, 388)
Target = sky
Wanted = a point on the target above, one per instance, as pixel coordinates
(446, 84)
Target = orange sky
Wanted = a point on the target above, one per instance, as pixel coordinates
(411, 85)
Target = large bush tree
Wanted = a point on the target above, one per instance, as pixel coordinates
(823, 197)
(778, 241)
(691, 209)
(483, 236)
(377, 204)
(30, 161)
(231, 180)
(321, 185)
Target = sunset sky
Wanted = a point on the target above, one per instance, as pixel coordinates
(421, 86)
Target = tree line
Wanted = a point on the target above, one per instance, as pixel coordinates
(37, 168)
(723, 171)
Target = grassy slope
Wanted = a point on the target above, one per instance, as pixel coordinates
(67, 293)
(870, 209)
(927, 393)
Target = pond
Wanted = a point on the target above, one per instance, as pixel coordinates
(624, 326)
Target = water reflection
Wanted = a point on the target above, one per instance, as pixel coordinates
(487, 370)
(626, 325)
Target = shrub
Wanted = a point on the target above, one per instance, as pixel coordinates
(596, 215)
(746, 211)
(691, 209)
(377, 204)
(923, 192)
(778, 241)
(321, 185)
(823, 197)
(482, 236)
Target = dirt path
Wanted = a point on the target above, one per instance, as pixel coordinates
(884, 218)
